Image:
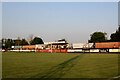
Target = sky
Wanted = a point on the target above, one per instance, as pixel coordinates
(60, 0)
(74, 21)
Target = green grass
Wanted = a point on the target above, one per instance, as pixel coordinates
(59, 65)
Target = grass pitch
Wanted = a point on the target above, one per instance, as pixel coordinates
(59, 65)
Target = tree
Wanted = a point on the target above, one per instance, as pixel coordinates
(17, 42)
(3, 43)
(7, 43)
(113, 37)
(24, 42)
(0, 44)
(116, 36)
(36, 40)
(98, 37)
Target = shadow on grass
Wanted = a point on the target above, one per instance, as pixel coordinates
(59, 70)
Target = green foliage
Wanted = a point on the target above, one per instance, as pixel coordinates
(17, 42)
(24, 42)
(7, 43)
(36, 40)
(115, 36)
(98, 37)
(0, 44)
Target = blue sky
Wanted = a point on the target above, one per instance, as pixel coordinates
(74, 21)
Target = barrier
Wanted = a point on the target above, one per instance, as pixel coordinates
(52, 51)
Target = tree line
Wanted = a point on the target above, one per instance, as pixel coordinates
(101, 36)
(7, 43)
(94, 37)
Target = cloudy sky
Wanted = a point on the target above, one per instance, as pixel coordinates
(74, 21)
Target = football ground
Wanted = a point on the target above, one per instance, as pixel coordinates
(59, 65)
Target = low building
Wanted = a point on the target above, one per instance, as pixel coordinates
(56, 45)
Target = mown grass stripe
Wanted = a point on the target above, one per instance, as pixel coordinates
(60, 69)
